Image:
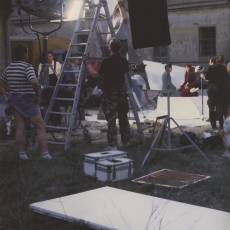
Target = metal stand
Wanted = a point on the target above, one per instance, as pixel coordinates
(44, 78)
(201, 84)
(161, 132)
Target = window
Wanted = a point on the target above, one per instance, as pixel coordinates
(160, 53)
(207, 41)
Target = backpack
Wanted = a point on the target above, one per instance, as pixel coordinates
(184, 141)
(213, 142)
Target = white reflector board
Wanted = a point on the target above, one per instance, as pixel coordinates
(154, 71)
(110, 208)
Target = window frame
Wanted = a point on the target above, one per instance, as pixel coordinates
(207, 38)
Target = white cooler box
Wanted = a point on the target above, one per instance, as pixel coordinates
(114, 169)
(90, 159)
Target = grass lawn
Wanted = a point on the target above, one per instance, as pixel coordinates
(23, 183)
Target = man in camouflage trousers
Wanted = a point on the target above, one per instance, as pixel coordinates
(114, 100)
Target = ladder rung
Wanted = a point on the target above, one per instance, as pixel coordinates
(77, 57)
(56, 127)
(63, 99)
(68, 85)
(62, 113)
(91, 5)
(82, 31)
(79, 44)
(56, 143)
(71, 71)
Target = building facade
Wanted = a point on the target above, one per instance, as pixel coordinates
(199, 29)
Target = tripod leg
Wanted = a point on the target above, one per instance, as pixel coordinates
(160, 132)
(202, 154)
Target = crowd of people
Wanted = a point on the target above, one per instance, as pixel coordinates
(107, 82)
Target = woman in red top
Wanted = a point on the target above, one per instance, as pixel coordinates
(189, 83)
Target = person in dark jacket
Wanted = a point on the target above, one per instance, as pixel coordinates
(218, 91)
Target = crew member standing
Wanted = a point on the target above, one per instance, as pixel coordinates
(20, 80)
(114, 99)
(217, 77)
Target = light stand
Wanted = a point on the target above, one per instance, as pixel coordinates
(160, 133)
(201, 85)
(44, 78)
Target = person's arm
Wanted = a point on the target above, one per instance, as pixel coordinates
(92, 72)
(5, 86)
(122, 10)
(34, 84)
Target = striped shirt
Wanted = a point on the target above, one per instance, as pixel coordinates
(18, 76)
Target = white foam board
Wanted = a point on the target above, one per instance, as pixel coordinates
(111, 208)
(154, 71)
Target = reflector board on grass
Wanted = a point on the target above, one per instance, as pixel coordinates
(111, 208)
(171, 178)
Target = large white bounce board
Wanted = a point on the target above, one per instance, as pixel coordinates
(110, 208)
(154, 71)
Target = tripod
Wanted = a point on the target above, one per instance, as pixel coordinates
(157, 140)
(202, 95)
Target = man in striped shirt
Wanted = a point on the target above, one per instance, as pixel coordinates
(20, 80)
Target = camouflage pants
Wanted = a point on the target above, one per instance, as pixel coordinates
(114, 102)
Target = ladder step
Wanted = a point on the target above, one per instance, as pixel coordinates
(68, 85)
(55, 143)
(50, 127)
(79, 44)
(63, 99)
(103, 19)
(91, 18)
(71, 71)
(61, 113)
(91, 5)
(77, 57)
(82, 31)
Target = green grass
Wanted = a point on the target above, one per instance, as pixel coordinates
(23, 183)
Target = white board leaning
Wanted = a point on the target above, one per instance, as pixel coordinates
(154, 71)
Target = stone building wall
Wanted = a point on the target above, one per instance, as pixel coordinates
(185, 19)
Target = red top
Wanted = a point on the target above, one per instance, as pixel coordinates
(189, 78)
(94, 66)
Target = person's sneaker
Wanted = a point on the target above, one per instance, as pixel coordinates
(23, 156)
(46, 156)
(226, 155)
(109, 148)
